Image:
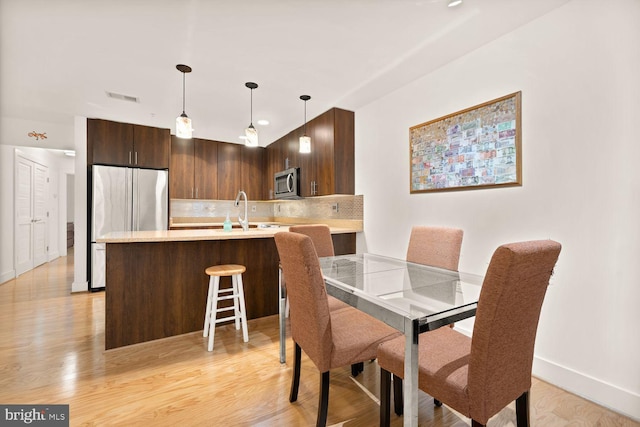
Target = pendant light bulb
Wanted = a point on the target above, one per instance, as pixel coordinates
(305, 141)
(183, 122)
(251, 134)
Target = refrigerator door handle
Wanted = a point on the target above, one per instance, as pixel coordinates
(135, 200)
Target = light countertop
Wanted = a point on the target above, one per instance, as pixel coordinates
(203, 234)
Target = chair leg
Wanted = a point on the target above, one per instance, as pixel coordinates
(243, 310)
(295, 378)
(214, 307)
(356, 368)
(522, 410)
(385, 398)
(207, 314)
(323, 403)
(437, 403)
(398, 401)
(474, 423)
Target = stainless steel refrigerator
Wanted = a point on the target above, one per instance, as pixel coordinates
(124, 199)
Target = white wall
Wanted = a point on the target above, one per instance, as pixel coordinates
(70, 198)
(7, 270)
(577, 68)
(80, 282)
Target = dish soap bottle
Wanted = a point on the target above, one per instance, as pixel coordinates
(226, 225)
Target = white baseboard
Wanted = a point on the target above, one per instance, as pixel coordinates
(79, 287)
(5, 277)
(608, 395)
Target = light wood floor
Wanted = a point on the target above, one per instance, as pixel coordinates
(52, 352)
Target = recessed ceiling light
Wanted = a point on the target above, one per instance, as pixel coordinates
(454, 3)
(263, 122)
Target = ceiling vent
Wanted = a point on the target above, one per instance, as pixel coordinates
(122, 97)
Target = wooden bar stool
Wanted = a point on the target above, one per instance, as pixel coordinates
(215, 294)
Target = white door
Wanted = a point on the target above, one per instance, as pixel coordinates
(40, 215)
(31, 214)
(24, 215)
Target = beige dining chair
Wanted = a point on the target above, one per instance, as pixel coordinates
(331, 339)
(479, 376)
(320, 235)
(435, 246)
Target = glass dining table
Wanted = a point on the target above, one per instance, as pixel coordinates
(412, 298)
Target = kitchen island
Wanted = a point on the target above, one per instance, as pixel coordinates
(155, 281)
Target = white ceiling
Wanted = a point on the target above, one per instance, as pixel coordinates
(59, 57)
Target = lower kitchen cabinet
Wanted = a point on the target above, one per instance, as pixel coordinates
(159, 289)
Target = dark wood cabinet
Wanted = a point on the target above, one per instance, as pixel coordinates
(206, 168)
(240, 168)
(159, 289)
(181, 169)
(151, 147)
(126, 144)
(194, 168)
(329, 168)
(109, 143)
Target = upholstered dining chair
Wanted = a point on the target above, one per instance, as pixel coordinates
(479, 376)
(435, 246)
(320, 235)
(331, 339)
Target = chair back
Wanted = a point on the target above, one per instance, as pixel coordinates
(435, 246)
(320, 235)
(506, 323)
(310, 318)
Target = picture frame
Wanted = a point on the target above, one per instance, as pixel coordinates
(479, 147)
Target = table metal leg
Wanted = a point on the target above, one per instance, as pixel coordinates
(282, 298)
(411, 373)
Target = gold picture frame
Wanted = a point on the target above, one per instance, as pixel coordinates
(479, 147)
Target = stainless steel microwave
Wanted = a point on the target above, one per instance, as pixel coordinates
(287, 184)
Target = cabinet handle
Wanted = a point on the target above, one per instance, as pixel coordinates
(192, 192)
(129, 157)
(196, 192)
(136, 157)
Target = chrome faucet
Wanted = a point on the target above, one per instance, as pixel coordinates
(244, 223)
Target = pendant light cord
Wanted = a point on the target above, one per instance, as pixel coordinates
(183, 93)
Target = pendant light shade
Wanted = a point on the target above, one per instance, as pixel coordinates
(305, 141)
(183, 122)
(250, 132)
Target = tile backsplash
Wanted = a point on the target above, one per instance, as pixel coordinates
(347, 207)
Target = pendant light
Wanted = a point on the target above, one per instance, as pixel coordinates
(251, 133)
(305, 141)
(183, 122)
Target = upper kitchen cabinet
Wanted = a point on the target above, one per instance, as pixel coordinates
(193, 172)
(125, 144)
(329, 168)
(240, 168)
(151, 147)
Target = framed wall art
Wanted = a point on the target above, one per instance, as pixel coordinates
(479, 147)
